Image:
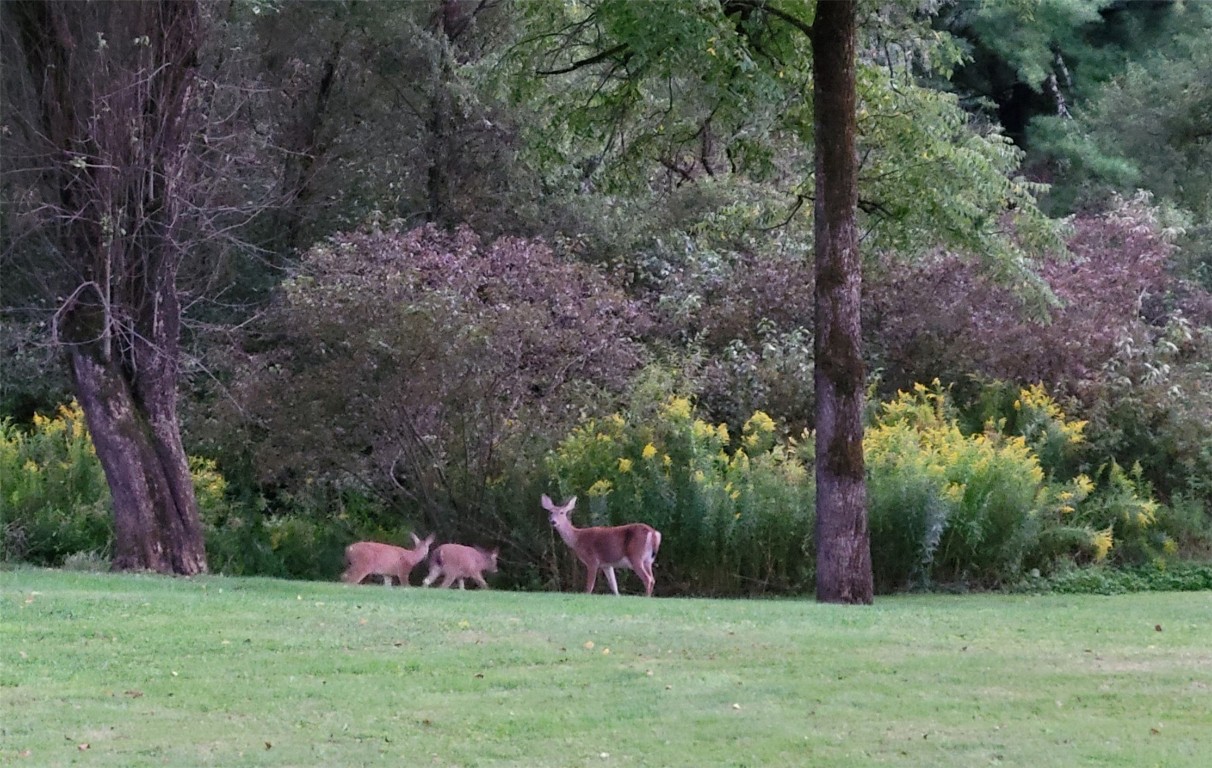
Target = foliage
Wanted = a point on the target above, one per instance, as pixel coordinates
(944, 505)
(736, 513)
(981, 507)
(54, 500)
(32, 377)
(425, 370)
(1103, 580)
(742, 80)
(1127, 350)
(1163, 148)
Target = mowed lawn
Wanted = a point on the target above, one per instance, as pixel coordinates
(131, 670)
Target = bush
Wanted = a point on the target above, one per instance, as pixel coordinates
(54, 501)
(736, 514)
(945, 505)
(55, 506)
(980, 507)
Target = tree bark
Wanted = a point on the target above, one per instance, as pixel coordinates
(111, 115)
(156, 525)
(843, 543)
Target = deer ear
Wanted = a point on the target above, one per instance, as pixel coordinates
(571, 502)
(547, 502)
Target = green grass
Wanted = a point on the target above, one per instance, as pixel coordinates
(229, 672)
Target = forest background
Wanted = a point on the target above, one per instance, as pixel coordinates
(447, 270)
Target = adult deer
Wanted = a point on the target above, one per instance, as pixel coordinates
(605, 548)
(365, 558)
(456, 562)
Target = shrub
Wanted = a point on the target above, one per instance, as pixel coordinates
(736, 514)
(55, 506)
(425, 367)
(981, 506)
(54, 501)
(945, 505)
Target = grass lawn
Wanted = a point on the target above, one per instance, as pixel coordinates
(131, 670)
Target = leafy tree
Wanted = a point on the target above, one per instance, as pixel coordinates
(429, 367)
(722, 88)
(378, 111)
(104, 108)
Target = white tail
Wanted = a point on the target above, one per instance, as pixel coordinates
(631, 546)
(456, 562)
(366, 558)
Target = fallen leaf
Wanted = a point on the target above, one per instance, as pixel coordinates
(269, 745)
(82, 747)
(1157, 627)
(589, 645)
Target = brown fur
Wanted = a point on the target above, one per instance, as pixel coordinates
(457, 562)
(371, 558)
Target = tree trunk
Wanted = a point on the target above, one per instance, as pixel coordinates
(156, 524)
(843, 542)
(111, 111)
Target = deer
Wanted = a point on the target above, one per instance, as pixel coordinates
(605, 548)
(457, 562)
(365, 558)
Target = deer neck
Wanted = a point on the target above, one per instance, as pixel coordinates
(567, 532)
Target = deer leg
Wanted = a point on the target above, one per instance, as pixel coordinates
(432, 576)
(403, 575)
(645, 572)
(447, 580)
(352, 576)
(480, 580)
(593, 577)
(614, 585)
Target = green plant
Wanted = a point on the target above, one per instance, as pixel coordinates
(736, 514)
(55, 504)
(974, 498)
(54, 501)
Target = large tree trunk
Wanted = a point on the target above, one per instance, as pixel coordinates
(156, 524)
(110, 114)
(843, 542)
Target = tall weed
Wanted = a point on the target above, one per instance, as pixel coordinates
(736, 513)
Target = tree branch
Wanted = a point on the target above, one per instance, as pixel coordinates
(595, 59)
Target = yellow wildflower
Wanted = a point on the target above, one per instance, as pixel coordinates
(678, 408)
(649, 451)
(1102, 541)
(600, 488)
(1083, 484)
(760, 421)
(624, 465)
